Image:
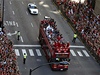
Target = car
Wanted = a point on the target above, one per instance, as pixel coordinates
(32, 8)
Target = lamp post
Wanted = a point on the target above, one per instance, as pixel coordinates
(62, 62)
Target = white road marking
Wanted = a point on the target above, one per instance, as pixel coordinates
(24, 51)
(26, 12)
(17, 52)
(10, 23)
(10, 2)
(80, 54)
(31, 24)
(27, 45)
(84, 51)
(39, 13)
(38, 59)
(37, 38)
(77, 46)
(22, 2)
(31, 52)
(21, 38)
(13, 22)
(4, 9)
(17, 24)
(7, 22)
(40, 46)
(38, 52)
(72, 52)
(45, 5)
(13, 12)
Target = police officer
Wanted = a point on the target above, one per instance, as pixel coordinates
(18, 35)
(24, 58)
(74, 38)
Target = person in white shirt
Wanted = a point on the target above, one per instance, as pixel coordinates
(49, 28)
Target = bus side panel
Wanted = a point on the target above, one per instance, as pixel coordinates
(44, 46)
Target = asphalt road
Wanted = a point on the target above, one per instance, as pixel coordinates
(17, 18)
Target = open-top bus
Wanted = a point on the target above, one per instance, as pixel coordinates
(53, 45)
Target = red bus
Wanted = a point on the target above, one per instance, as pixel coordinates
(53, 45)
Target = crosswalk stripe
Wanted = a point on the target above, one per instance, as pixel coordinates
(5, 24)
(72, 52)
(31, 52)
(17, 24)
(38, 52)
(84, 51)
(24, 51)
(17, 52)
(13, 22)
(80, 54)
(10, 23)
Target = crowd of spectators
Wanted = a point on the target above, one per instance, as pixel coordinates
(8, 64)
(84, 20)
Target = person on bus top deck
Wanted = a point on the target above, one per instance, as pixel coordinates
(62, 40)
(49, 30)
(52, 22)
(56, 32)
(44, 21)
(57, 44)
(49, 36)
(65, 46)
(54, 26)
(49, 27)
(59, 37)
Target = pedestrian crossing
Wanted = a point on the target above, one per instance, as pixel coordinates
(10, 23)
(30, 52)
(38, 52)
(72, 52)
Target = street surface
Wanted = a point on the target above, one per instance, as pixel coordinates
(17, 18)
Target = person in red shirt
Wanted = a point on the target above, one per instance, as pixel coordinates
(58, 37)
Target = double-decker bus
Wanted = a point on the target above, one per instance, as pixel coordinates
(53, 45)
